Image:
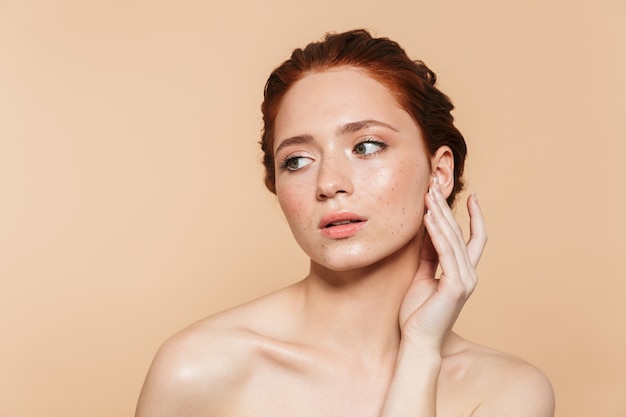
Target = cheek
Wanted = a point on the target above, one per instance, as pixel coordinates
(401, 197)
(293, 206)
(401, 187)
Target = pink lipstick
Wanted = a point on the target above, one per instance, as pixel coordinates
(341, 225)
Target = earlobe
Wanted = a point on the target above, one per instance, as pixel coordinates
(442, 164)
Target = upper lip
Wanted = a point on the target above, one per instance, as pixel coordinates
(339, 216)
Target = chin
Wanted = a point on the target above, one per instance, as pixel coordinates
(354, 260)
(370, 256)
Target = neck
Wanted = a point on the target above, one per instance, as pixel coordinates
(357, 310)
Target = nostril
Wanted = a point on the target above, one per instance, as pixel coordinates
(326, 195)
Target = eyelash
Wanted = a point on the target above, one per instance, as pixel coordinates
(284, 165)
(378, 143)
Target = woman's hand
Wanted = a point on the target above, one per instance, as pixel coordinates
(431, 306)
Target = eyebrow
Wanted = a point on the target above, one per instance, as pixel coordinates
(342, 130)
(295, 140)
(363, 124)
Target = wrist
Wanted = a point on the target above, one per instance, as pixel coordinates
(418, 359)
(413, 389)
(421, 344)
(424, 352)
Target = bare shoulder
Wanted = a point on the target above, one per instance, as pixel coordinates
(199, 370)
(191, 369)
(505, 384)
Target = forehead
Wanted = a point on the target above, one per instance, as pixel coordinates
(335, 96)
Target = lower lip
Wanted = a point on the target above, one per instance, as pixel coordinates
(342, 231)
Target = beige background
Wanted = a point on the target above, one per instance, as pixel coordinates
(131, 199)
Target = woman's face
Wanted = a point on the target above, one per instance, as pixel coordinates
(351, 169)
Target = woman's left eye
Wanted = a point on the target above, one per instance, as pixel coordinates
(368, 147)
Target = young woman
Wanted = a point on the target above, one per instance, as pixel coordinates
(361, 152)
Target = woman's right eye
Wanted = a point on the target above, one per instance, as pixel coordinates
(295, 163)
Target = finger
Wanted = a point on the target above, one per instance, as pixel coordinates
(457, 281)
(447, 224)
(443, 242)
(445, 209)
(478, 232)
(445, 235)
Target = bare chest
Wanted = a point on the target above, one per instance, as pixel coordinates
(313, 395)
(331, 392)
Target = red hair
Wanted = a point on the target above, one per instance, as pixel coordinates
(411, 82)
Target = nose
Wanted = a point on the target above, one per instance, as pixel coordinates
(334, 178)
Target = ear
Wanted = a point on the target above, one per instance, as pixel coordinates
(442, 166)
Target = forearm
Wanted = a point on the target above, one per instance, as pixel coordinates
(413, 388)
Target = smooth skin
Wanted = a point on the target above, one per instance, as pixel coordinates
(368, 331)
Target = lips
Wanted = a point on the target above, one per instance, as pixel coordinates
(342, 224)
